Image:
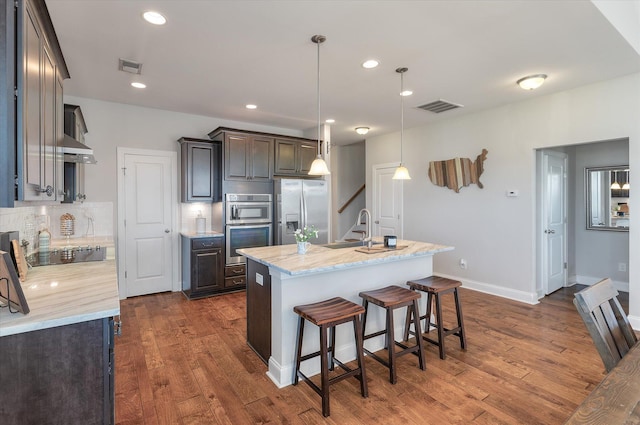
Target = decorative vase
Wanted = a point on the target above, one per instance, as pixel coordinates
(302, 247)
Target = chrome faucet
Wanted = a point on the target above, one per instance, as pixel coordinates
(367, 237)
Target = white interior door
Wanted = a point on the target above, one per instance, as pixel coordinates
(554, 221)
(387, 201)
(148, 215)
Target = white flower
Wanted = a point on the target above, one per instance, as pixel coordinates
(305, 234)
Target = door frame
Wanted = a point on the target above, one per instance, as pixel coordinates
(176, 284)
(541, 280)
(374, 198)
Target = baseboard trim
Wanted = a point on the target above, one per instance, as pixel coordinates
(500, 291)
(590, 280)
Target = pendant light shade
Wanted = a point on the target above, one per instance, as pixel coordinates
(401, 172)
(318, 166)
(615, 185)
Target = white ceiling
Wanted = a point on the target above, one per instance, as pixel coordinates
(213, 57)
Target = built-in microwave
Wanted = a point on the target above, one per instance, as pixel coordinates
(248, 209)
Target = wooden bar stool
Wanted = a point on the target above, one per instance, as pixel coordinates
(327, 315)
(391, 298)
(436, 286)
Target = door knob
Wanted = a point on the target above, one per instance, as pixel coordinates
(549, 231)
(167, 230)
(377, 221)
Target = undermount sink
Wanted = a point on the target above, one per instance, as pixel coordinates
(347, 244)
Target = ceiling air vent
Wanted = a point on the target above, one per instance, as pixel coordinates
(130, 66)
(439, 106)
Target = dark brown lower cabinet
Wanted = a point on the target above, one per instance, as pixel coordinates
(202, 266)
(61, 375)
(259, 309)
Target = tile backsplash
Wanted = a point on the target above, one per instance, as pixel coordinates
(91, 219)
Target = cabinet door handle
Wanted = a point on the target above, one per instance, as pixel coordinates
(48, 190)
(238, 282)
(237, 271)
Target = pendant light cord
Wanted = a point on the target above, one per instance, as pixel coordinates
(401, 113)
(320, 40)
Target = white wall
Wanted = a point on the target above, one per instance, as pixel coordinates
(349, 176)
(494, 233)
(597, 253)
(114, 124)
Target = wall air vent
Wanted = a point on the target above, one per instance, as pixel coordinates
(129, 66)
(439, 106)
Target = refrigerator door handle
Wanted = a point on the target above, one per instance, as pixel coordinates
(303, 212)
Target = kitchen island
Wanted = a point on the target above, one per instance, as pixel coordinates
(56, 363)
(278, 279)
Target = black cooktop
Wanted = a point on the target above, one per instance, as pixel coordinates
(66, 255)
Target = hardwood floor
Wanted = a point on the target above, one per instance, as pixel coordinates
(187, 362)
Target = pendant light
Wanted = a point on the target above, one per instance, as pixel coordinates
(318, 166)
(626, 185)
(401, 172)
(615, 185)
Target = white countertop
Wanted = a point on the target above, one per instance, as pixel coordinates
(65, 294)
(322, 259)
(193, 235)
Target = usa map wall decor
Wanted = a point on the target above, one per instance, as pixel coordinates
(457, 172)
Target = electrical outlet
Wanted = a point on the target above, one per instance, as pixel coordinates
(622, 267)
(463, 263)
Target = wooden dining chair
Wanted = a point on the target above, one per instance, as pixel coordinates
(607, 323)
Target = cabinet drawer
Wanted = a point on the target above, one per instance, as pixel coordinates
(235, 270)
(234, 281)
(205, 243)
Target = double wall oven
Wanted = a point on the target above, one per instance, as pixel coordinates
(249, 223)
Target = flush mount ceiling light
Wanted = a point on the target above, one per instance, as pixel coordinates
(531, 82)
(250, 106)
(401, 172)
(330, 120)
(362, 130)
(138, 85)
(371, 63)
(318, 166)
(154, 18)
(406, 93)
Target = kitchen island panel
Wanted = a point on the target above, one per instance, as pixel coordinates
(288, 291)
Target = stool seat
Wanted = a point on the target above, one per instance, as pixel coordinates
(327, 315)
(331, 310)
(435, 287)
(391, 298)
(434, 284)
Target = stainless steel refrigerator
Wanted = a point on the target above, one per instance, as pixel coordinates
(300, 203)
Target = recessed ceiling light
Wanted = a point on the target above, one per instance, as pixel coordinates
(154, 18)
(138, 85)
(250, 106)
(362, 130)
(406, 93)
(531, 82)
(330, 121)
(371, 63)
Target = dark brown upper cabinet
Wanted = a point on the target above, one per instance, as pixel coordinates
(200, 170)
(294, 157)
(247, 156)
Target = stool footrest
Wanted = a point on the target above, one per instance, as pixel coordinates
(373, 335)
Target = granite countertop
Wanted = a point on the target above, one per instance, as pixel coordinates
(65, 294)
(193, 235)
(322, 259)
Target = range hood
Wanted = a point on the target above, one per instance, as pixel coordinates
(74, 151)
